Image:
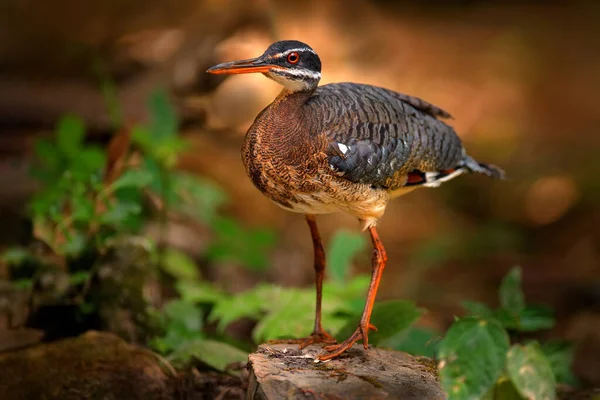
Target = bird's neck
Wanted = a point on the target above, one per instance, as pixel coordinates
(282, 124)
(293, 98)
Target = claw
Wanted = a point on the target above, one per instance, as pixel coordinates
(361, 333)
(315, 337)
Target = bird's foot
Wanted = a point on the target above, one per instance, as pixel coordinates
(361, 333)
(315, 337)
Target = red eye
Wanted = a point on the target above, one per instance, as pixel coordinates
(293, 58)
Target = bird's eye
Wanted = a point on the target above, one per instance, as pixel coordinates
(293, 58)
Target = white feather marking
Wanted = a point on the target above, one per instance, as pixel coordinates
(343, 148)
(438, 182)
(296, 50)
(297, 72)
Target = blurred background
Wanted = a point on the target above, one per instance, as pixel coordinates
(521, 80)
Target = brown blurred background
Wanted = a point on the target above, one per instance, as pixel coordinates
(522, 81)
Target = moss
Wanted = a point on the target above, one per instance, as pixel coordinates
(429, 364)
(371, 379)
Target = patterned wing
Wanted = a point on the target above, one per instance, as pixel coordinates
(380, 137)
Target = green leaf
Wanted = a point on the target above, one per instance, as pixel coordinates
(197, 197)
(560, 356)
(23, 283)
(75, 244)
(289, 318)
(503, 390)
(472, 357)
(79, 277)
(15, 255)
(70, 131)
(132, 178)
(415, 340)
(531, 372)
(511, 294)
(390, 318)
(534, 318)
(342, 249)
(249, 304)
(199, 292)
(477, 309)
(217, 355)
(179, 265)
(185, 314)
(50, 157)
(164, 120)
(119, 212)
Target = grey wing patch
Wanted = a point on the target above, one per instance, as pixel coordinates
(371, 156)
(424, 106)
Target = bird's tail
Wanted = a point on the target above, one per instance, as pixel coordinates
(486, 169)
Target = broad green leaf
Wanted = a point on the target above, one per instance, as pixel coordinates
(249, 304)
(186, 314)
(132, 178)
(530, 372)
(119, 212)
(292, 318)
(534, 318)
(560, 356)
(503, 390)
(511, 294)
(217, 355)
(199, 292)
(390, 318)
(91, 159)
(477, 309)
(70, 131)
(415, 340)
(179, 265)
(472, 355)
(342, 249)
(290, 313)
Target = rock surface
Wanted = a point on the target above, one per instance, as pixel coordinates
(282, 371)
(92, 366)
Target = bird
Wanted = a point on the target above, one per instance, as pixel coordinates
(343, 147)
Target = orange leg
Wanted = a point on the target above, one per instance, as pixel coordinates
(319, 335)
(362, 331)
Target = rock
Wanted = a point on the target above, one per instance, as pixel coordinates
(92, 366)
(282, 371)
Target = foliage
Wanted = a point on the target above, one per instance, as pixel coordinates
(473, 355)
(279, 312)
(476, 360)
(93, 197)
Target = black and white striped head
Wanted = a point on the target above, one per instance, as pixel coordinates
(291, 63)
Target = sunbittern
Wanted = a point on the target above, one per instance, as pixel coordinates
(343, 147)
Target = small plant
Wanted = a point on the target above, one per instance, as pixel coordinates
(93, 202)
(279, 312)
(477, 360)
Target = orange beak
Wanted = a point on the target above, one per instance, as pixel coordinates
(241, 67)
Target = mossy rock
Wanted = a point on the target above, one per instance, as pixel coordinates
(94, 365)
